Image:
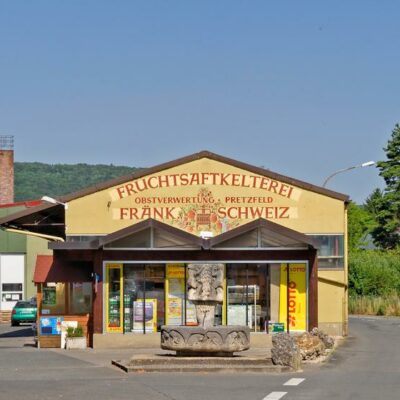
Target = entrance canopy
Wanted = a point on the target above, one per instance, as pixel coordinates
(155, 235)
(48, 269)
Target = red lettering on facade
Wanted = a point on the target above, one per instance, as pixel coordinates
(121, 192)
(284, 212)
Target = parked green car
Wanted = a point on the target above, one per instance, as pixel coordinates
(23, 311)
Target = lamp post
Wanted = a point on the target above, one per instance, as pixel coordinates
(54, 201)
(366, 164)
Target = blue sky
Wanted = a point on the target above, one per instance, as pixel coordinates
(302, 88)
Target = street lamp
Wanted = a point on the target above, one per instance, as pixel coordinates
(54, 201)
(366, 164)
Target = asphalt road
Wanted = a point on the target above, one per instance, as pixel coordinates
(366, 367)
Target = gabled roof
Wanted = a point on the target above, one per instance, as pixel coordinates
(197, 156)
(269, 235)
(45, 210)
(187, 239)
(113, 240)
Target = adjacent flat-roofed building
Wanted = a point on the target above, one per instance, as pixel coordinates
(17, 261)
(121, 249)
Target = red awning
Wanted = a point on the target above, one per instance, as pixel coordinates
(48, 269)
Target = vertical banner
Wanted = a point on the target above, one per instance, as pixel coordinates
(297, 306)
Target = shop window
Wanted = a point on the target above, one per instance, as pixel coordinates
(6, 297)
(113, 295)
(330, 251)
(11, 292)
(80, 298)
(257, 296)
(53, 300)
(12, 287)
(179, 310)
(144, 298)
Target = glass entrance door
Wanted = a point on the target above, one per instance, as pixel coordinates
(144, 297)
(248, 295)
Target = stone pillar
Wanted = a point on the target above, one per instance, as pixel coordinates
(6, 169)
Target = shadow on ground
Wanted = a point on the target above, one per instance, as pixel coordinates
(26, 331)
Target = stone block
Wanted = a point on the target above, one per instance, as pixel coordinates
(285, 351)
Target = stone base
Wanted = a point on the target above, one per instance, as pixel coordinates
(213, 341)
(168, 363)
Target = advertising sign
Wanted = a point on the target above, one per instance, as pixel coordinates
(276, 327)
(150, 315)
(201, 196)
(176, 271)
(51, 325)
(297, 307)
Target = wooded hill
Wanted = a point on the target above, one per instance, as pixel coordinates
(34, 180)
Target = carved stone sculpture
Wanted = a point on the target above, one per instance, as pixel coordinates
(205, 289)
(205, 282)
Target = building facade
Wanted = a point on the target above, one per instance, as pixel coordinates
(17, 261)
(121, 250)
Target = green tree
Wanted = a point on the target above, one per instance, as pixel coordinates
(360, 224)
(386, 234)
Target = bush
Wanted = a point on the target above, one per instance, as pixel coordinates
(75, 332)
(374, 273)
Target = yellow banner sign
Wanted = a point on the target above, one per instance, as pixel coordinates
(176, 271)
(297, 296)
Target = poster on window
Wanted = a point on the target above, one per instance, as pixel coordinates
(49, 296)
(174, 311)
(150, 315)
(297, 306)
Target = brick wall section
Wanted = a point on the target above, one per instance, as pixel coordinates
(6, 176)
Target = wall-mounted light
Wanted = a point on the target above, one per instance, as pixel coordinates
(54, 201)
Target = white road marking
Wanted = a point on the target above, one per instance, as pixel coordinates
(294, 382)
(274, 396)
